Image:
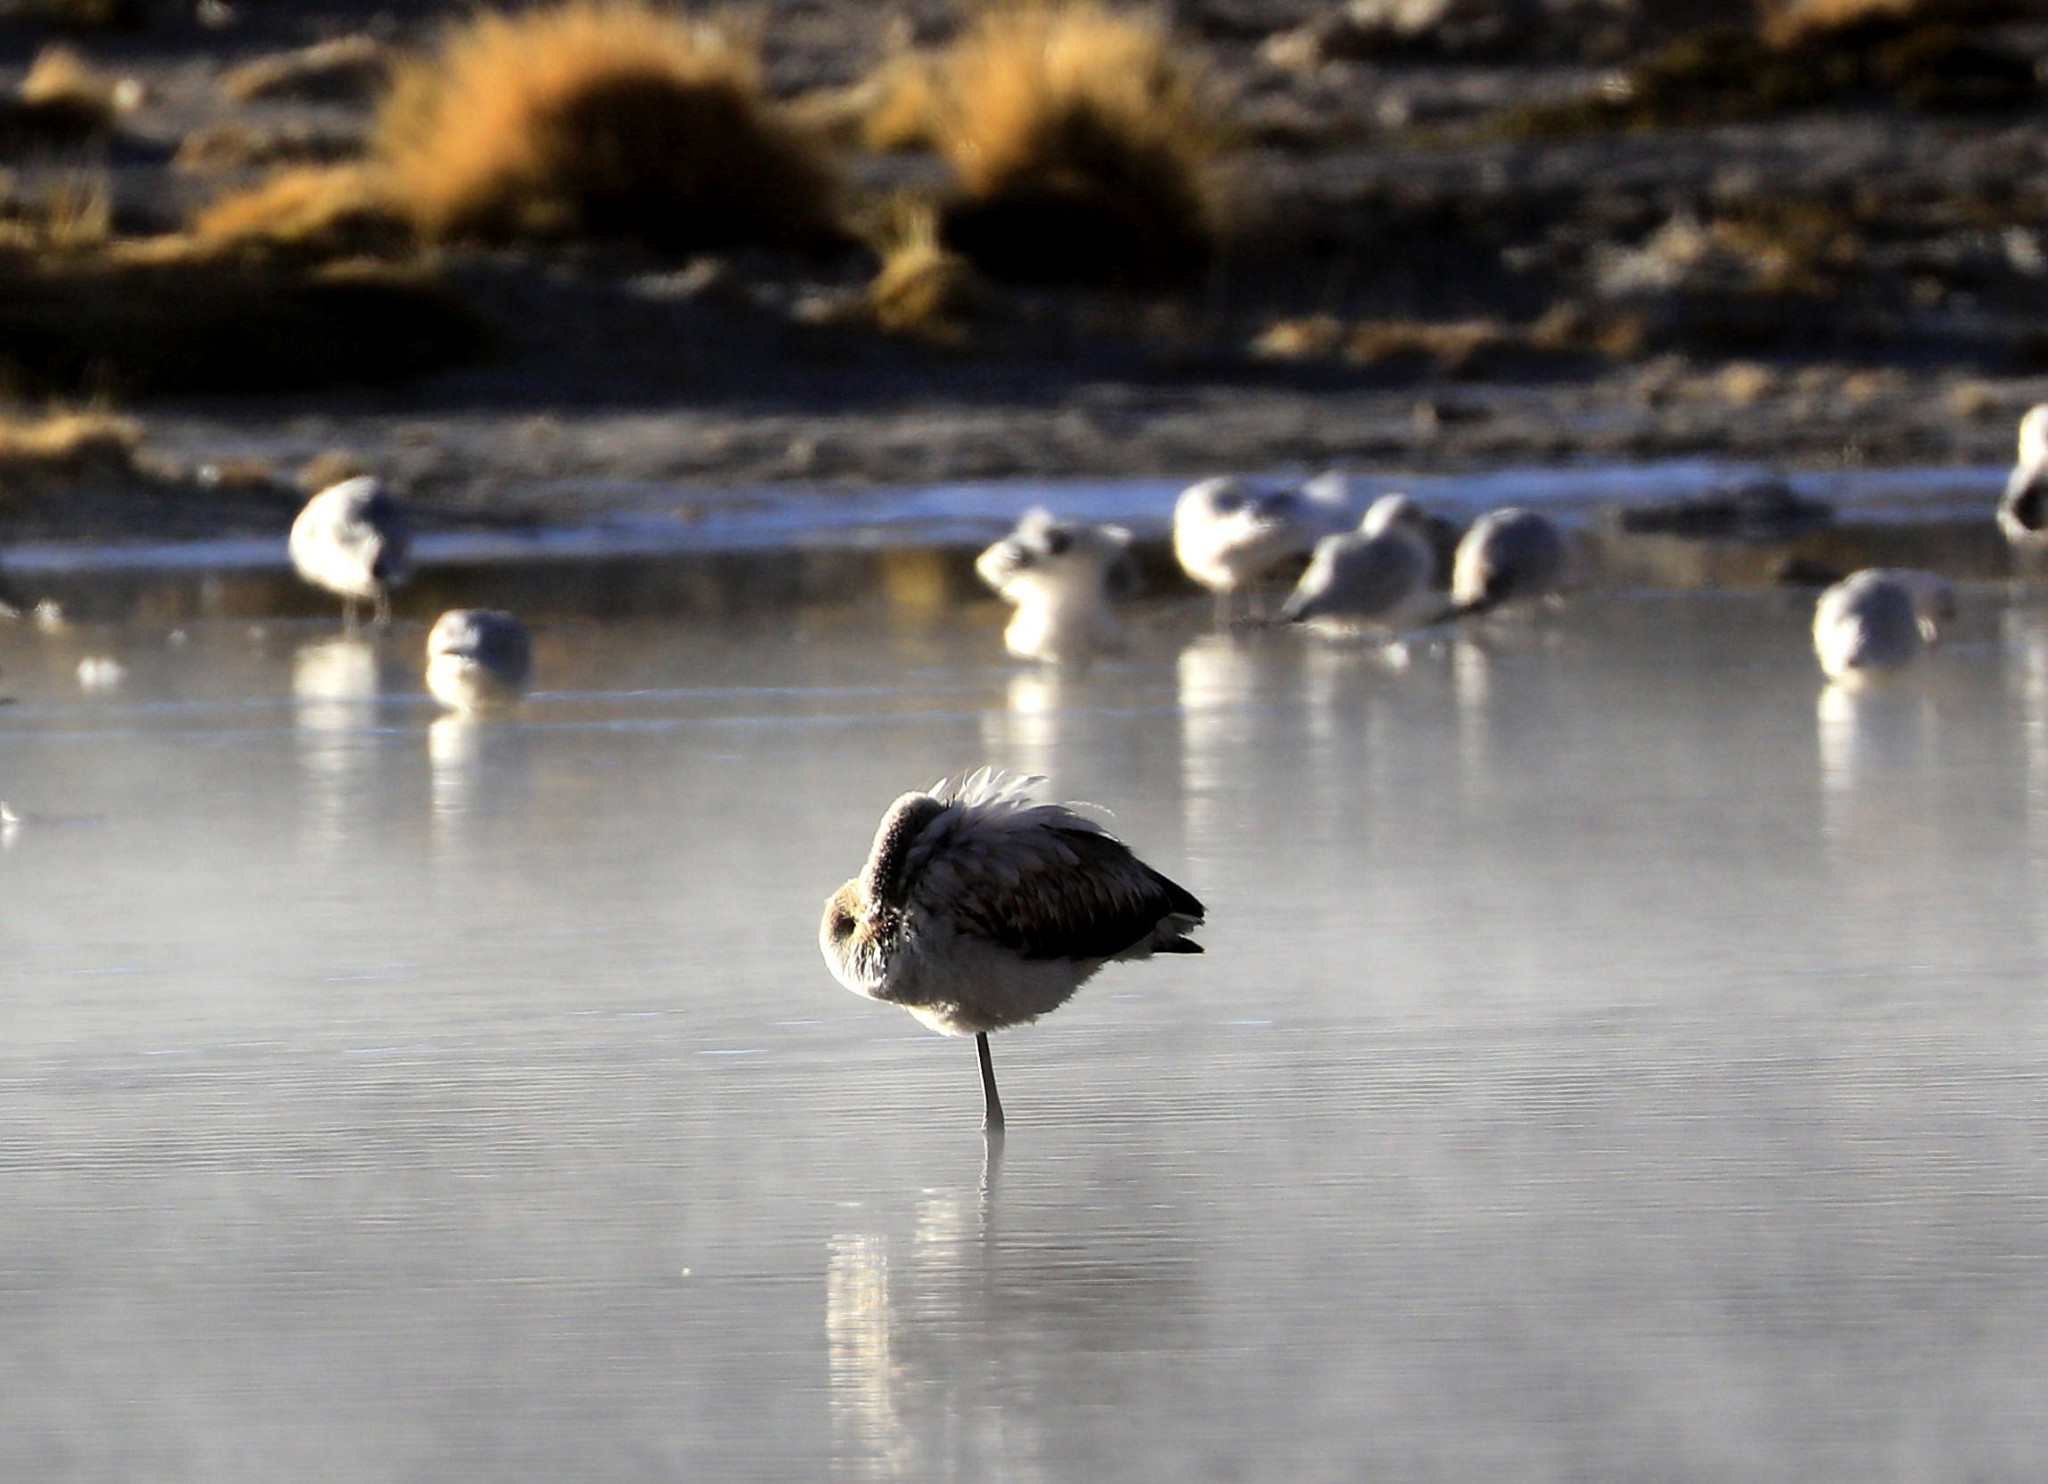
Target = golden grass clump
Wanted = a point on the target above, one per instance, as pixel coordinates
(72, 213)
(1086, 142)
(313, 212)
(63, 103)
(903, 105)
(600, 118)
(923, 287)
(1793, 23)
(342, 69)
(65, 446)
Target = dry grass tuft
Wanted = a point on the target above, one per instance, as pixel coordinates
(63, 104)
(342, 70)
(1796, 23)
(65, 446)
(903, 105)
(234, 145)
(600, 118)
(69, 214)
(313, 213)
(1086, 142)
(923, 288)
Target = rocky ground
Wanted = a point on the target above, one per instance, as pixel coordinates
(1455, 252)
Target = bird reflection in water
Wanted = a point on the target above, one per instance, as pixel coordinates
(336, 684)
(1880, 798)
(874, 1398)
(979, 1345)
(2025, 635)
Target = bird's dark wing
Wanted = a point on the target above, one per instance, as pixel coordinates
(1059, 891)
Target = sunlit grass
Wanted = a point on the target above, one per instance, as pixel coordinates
(599, 118)
(1086, 142)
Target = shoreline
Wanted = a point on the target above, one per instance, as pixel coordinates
(913, 549)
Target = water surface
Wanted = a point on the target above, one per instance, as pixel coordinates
(1616, 1058)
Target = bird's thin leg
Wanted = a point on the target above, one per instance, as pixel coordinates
(383, 618)
(351, 622)
(992, 1104)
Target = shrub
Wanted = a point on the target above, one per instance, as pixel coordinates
(1086, 145)
(923, 288)
(599, 118)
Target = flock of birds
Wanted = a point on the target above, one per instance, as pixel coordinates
(354, 540)
(980, 906)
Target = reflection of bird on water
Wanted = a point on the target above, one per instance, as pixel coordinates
(1374, 577)
(1510, 556)
(353, 540)
(979, 909)
(2023, 508)
(478, 659)
(1059, 574)
(1228, 533)
(1878, 621)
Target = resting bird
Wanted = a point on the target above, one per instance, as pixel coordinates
(1869, 625)
(1510, 556)
(979, 908)
(1228, 533)
(353, 540)
(2023, 508)
(1060, 575)
(478, 659)
(1375, 577)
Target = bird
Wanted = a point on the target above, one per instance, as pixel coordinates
(2023, 508)
(478, 659)
(1375, 577)
(1870, 626)
(353, 539)
(1935, 604)
(1060, 576)
(1512, 555)
(1228, 533)
(981, 908)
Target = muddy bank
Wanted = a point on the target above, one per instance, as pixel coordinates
(1422, 280)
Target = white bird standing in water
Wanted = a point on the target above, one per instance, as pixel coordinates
(1375, 577)
(353, 539)
(1228, 533)
(2023, 508)
(1512, 555)
(1875, 623)
(1059, 574)
(979, 908)
(478, 659)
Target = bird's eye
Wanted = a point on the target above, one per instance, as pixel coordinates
(1228, 504)
(1057, 542)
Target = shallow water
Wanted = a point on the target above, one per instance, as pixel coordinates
(1616, 1058)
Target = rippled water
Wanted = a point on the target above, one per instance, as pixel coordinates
(1615, 1059)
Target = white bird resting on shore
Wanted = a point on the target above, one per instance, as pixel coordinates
(980, 908)
(478, 659)
(353, 539)
(1377, 577)
(2023, 508)
(1230, 533)
(1510, 556)
(1060, 575)
(1875, 623)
